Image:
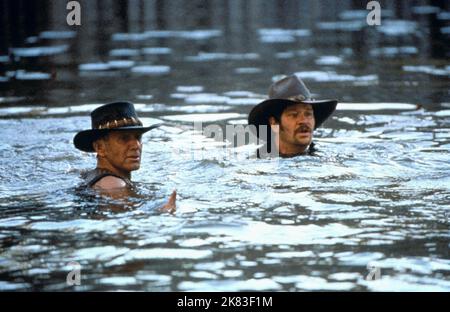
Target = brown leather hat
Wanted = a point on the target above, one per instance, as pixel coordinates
(118, 116)
(286, 92)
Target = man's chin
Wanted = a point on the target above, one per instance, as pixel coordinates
(134, 167)
(304, 142)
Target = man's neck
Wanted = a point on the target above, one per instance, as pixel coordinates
(291, 150)
(107, 166)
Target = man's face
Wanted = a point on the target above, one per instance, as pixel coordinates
(296, 126)
(122, 150)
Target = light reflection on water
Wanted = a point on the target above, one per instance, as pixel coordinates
(241, 225)
(377, 193)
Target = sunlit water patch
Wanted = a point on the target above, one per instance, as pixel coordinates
(39, 51)
(324, 76)
(151, 70)
(188, 35)
(57, 35)
(204, 57)
(432, 70)
(282, 35)
(398, 28)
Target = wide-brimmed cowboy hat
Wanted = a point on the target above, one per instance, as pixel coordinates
(117, 116)
(286, 92)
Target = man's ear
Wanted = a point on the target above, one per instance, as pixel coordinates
(274, 125)
(99, 147)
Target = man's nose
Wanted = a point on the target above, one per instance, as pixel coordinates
(135, 143)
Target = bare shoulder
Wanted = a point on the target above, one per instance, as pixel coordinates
(110, 183)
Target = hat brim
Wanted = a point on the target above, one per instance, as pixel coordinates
(261, 113)
(84, 140)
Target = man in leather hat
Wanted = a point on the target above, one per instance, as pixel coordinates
(289, 118)
(116, 138)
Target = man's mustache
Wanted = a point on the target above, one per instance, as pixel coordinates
(303, 128)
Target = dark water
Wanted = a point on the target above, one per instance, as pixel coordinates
(377, 194)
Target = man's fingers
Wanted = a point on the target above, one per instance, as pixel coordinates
(171, 206)
(173, 198)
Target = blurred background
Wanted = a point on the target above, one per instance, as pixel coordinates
(124, 49)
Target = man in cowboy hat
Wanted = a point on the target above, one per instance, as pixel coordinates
(116, 138)
(287, 120)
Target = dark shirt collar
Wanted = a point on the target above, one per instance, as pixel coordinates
(265, 152)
